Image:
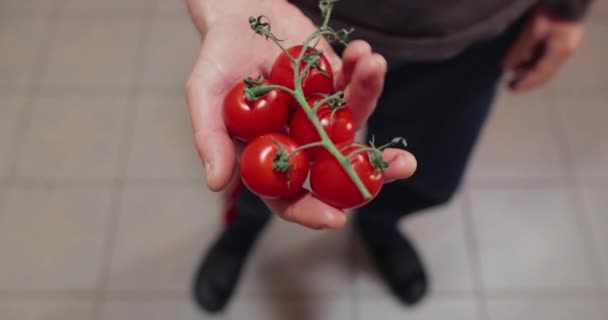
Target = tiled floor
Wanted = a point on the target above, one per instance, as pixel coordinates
(104, 214)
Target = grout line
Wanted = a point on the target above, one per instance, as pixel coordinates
(148, 90)
(544, 293)
(483, 183)
(84, 182)
(17, 294)
(31, 93)
(124, 150)
(98, 91)
(352, 241)
(506, 294)
(172, 181)
(575, 191)
(473, 251)
(436, 294)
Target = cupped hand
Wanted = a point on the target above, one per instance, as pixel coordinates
(230, 52)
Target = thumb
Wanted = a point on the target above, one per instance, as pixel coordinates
(215, 147)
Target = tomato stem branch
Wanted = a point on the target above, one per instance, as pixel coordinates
(261, 26)
(306, 146)
(256, 92)
(298, 94)
(338, 96)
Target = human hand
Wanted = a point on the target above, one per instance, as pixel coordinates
(543, 46)
(230, 53)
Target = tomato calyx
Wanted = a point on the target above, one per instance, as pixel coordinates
(375, 159)
(255, 89)
(336, 101)
(313, 58)
(375, 153)
(261, 26)
(281, 163)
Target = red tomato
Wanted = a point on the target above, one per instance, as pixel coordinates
(338, 125)
(264, 165)
(246, 119)
(317, 81)
(332, 185)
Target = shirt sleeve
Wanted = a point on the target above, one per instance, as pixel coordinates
(568, 9)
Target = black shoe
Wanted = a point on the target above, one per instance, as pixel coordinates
(220, 271)
(218, 277)
(398, 263)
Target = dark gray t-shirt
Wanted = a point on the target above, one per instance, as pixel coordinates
(422, 29)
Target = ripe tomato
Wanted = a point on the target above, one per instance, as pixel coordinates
(332, 185)
(269, 169)
(318, 80)
(338, 125)
(247, 119)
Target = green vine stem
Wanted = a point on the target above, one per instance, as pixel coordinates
(262, 27)
(338, 96)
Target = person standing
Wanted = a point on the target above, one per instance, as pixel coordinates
(424, 70)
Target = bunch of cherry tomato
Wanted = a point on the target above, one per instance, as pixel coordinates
(275, 126)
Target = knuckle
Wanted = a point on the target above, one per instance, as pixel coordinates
(199, 140)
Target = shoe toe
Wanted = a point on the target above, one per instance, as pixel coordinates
(413, 290)
(208, 297)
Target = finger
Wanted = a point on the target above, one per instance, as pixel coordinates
(546, 67)
(308, 211)
(401, 164)
(365, 87)
(214, 145)
(524, 48)
(353, 53)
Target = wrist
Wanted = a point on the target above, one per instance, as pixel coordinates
(207, 13)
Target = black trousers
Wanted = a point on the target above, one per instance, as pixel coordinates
(439, 107)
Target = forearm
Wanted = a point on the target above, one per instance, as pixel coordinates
(568, 9)
(206, 13)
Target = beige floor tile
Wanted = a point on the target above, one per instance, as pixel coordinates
(529, 239)
(281, 308)
(162, 144)
(431, 309)
(10, 111)
(122, 309)
(293, 260)
(172, 8)
(108, 7)
(20, 45)
(47, 309)
(586, 72)
(170, 55)
(162, 233)
(599, 11)
(440, 238)
(596, 211)
(93, 54)
(27, 8)
(545, 309)
(586, 131)
(74, 136)
(518, 142)
(52, 238)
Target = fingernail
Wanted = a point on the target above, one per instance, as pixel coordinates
(334, 221)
